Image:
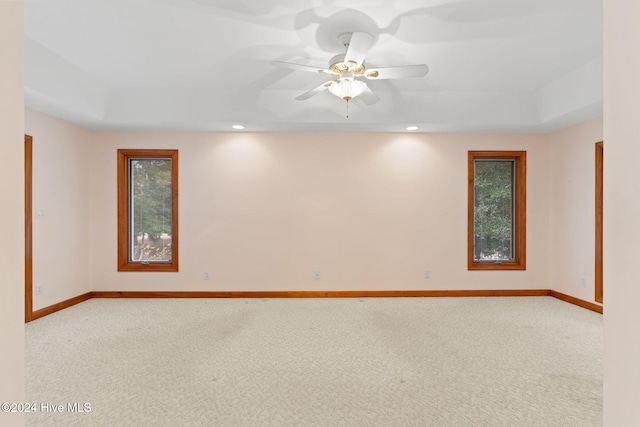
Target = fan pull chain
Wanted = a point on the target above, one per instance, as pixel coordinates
(347, 108)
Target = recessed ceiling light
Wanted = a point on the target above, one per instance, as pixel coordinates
(412, 127)
(238, 127)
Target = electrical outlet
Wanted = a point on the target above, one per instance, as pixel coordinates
(427, 274)
(207, 275)
(38, 289)
(583, 282)
(316, 275)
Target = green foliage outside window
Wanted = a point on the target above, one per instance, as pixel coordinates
(493, 210)
(151, 201)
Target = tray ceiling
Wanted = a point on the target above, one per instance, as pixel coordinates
(204, 65)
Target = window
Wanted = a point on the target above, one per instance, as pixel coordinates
(147, 210)
(497, 210)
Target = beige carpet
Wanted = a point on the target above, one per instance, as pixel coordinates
(509, 361)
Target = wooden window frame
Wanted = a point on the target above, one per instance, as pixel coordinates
(519, 262)
(124, 263)
(599, 215)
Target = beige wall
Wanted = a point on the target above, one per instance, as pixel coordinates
(621, 213)
(61, 188)
(12, 211)
(572, 192)
(263, 211)
(371, 211)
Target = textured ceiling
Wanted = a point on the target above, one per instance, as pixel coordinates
(495, 65)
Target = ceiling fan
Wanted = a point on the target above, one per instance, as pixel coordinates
(346, 69)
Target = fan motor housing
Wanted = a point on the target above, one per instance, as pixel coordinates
(339, 67)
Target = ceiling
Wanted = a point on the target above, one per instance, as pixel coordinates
(204, 65)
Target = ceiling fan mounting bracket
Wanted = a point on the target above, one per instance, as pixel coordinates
(345, 38)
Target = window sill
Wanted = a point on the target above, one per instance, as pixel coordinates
(490, 266)
(156, 267)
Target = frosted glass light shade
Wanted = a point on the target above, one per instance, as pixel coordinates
(347, 88)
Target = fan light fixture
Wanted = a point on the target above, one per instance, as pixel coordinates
(347, 88)
(345, 67)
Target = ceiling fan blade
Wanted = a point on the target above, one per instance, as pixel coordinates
(359, 46)
(368, 97)
(314, 91)
(301, 67)
(402, 72)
